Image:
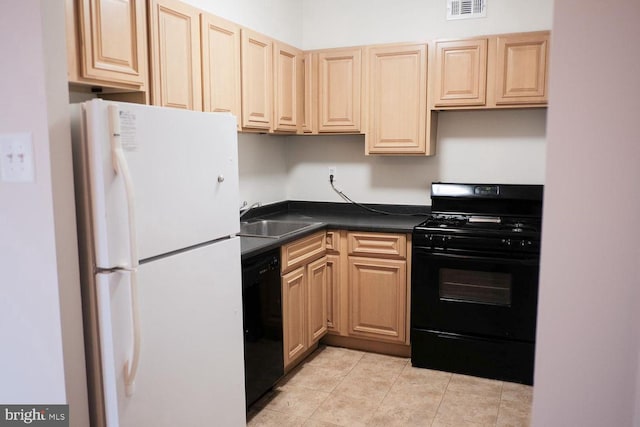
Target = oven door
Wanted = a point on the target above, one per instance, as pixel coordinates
(475, 295)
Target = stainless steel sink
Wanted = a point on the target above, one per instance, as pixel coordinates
(273, 229)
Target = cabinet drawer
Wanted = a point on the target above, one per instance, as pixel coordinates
(303, 251)
(378, 244)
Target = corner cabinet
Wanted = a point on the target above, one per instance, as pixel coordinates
(257, 80)
(368, 291)
(339, 80)
(304, 296)
(378, 286)
(397, 100)
(175, 55)
(220, 40)
(107, 44)
(309, 99)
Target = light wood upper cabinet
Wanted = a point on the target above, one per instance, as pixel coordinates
(175, 55)
(521, 68)
(106, 43)
(309, 100)
(220, 65)
(286, 76)
(340, 75)
(503, 71)
(397, 98)
(257, 80)
(460, 72)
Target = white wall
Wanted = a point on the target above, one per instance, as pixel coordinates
(588, 341)
(262, 168)
(334, 23)
(40, 321)
(279, 19)
(477, 146)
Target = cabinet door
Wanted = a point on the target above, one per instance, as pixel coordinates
(257, 80)
(294, 308)
(521, 69)
(175, 55)
(397, 100)
(340, 79)
(111, 42)
(220, 65)
(317, 300)
(286, 60)
(460, 73)
(310, 96)
(377, 298)
(333, 293)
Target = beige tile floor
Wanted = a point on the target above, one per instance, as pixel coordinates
(341, 387)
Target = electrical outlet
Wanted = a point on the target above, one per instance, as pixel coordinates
(332, 171)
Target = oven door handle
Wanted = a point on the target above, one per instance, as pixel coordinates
(421, 253)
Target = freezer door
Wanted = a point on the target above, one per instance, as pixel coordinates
(191, 369)
(183, 179)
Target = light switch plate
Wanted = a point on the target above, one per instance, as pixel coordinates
(16, 157)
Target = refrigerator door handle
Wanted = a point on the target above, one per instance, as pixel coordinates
(131, 367)
(120, 166)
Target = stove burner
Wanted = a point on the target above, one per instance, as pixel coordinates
(471, 222)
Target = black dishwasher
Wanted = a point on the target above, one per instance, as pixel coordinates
(262, 316)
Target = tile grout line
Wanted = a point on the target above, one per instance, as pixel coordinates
(388, 391)
(441, 399)
(499, 403)
(334, 387)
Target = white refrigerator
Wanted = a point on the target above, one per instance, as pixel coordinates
(157, 200)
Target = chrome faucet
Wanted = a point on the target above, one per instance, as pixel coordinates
(243, 212)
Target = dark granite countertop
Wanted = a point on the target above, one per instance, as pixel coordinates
(343, 216)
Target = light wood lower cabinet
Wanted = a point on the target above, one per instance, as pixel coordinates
(378, 298)
(333, 293)
(294, 308)
(304, 296)
(317, 300)
(368, 290)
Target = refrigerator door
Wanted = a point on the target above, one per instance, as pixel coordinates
(183, 186)
(191, 368)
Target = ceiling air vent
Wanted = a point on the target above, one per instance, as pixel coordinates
(466, 9)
